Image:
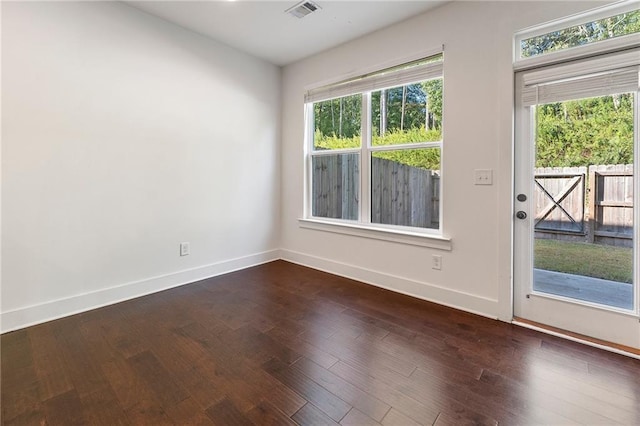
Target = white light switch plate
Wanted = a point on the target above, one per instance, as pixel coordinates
(483, 177)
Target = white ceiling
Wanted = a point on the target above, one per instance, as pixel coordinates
(263, 29)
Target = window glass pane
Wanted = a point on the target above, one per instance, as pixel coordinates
(405, 187)
(583, 199)
(584, 132)
(406, 114)
(337, 123)
(590, 32)
(335, 191)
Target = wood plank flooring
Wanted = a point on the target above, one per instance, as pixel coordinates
(280, 344)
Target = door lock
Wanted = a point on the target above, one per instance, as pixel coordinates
(521, 215)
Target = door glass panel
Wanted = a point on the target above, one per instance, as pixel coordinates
(583, 200)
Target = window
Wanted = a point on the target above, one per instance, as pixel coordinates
(610, 28)
(579, 35)
(374, 148)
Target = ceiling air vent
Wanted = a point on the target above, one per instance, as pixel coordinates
(302, 9)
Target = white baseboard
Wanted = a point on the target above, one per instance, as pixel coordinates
(443, 296)
(36, 314)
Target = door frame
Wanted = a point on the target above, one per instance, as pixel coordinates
(608, 324)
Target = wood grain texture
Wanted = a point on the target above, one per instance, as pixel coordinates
(282, 344)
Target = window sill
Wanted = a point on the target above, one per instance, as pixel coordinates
(378, 233)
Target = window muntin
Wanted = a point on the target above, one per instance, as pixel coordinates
(386, 171)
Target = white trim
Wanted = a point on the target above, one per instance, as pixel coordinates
(322, 152)
(606, 11)
(415, 145)
(575, 339)
(585, 303)
(47, 311)
(462, 301)
(618, 44)
(364, 209)
(576, 52)
(369, 83)
(1, 174)
(636, 197)
(307, 158)
(604, 323)
(376, 148)
(376, 81)
(377, 67)
(379, 232)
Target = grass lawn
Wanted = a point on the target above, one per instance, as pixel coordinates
(592, 260)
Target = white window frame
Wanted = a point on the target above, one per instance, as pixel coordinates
(365, 83)
(604, 63)
(624, 42)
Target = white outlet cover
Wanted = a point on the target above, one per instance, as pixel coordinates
(436, 262)
(483, 177)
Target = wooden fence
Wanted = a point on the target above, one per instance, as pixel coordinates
(400, 194)
(611, 207)
(404, 195)
(592, 205)
(335, 186)
(558, 197)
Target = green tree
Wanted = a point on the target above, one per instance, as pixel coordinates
(399, 115)
(614, 26)
(433, 110)
(584, 132)
(339, 117)
(398, 108)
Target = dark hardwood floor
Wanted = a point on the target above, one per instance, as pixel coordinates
(281, 344)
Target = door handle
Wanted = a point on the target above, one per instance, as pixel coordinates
(521, 215)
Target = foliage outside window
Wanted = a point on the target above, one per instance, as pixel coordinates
(583, 132)
(384, 143)
(583, 34)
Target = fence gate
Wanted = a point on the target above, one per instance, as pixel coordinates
(559, 199)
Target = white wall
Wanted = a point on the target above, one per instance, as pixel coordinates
(122, 136)
(478, 111)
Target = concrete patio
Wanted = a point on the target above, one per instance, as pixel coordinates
(594, 290)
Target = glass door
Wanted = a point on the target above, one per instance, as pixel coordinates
(575, 209)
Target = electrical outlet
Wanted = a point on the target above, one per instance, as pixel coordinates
(184, 249)
(436, 262)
